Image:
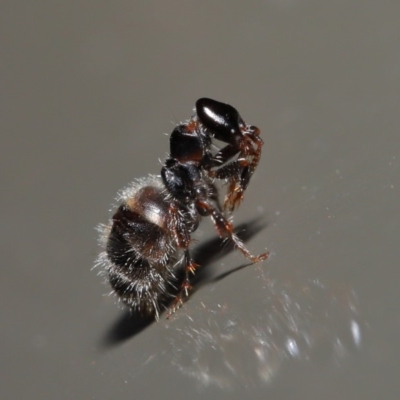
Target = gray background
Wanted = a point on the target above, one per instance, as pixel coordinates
(88, 91)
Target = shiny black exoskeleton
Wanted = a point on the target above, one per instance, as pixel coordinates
(154, 223)
(190, 143)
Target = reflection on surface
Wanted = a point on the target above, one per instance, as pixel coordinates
(130, 324)
(247, 340)
(300, 320)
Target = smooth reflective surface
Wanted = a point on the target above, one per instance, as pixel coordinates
(301, 319)
(88, 91)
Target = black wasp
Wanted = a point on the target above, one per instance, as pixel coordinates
(149, 233)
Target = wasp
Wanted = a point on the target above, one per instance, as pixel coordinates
(149, 234)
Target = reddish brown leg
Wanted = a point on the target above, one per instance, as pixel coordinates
(182, 239)
(251, 152)
(190, 267)
(225, 230)
(234, 171)
(258, 142)
(234, 195)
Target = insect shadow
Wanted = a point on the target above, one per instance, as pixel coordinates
(130, 323)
